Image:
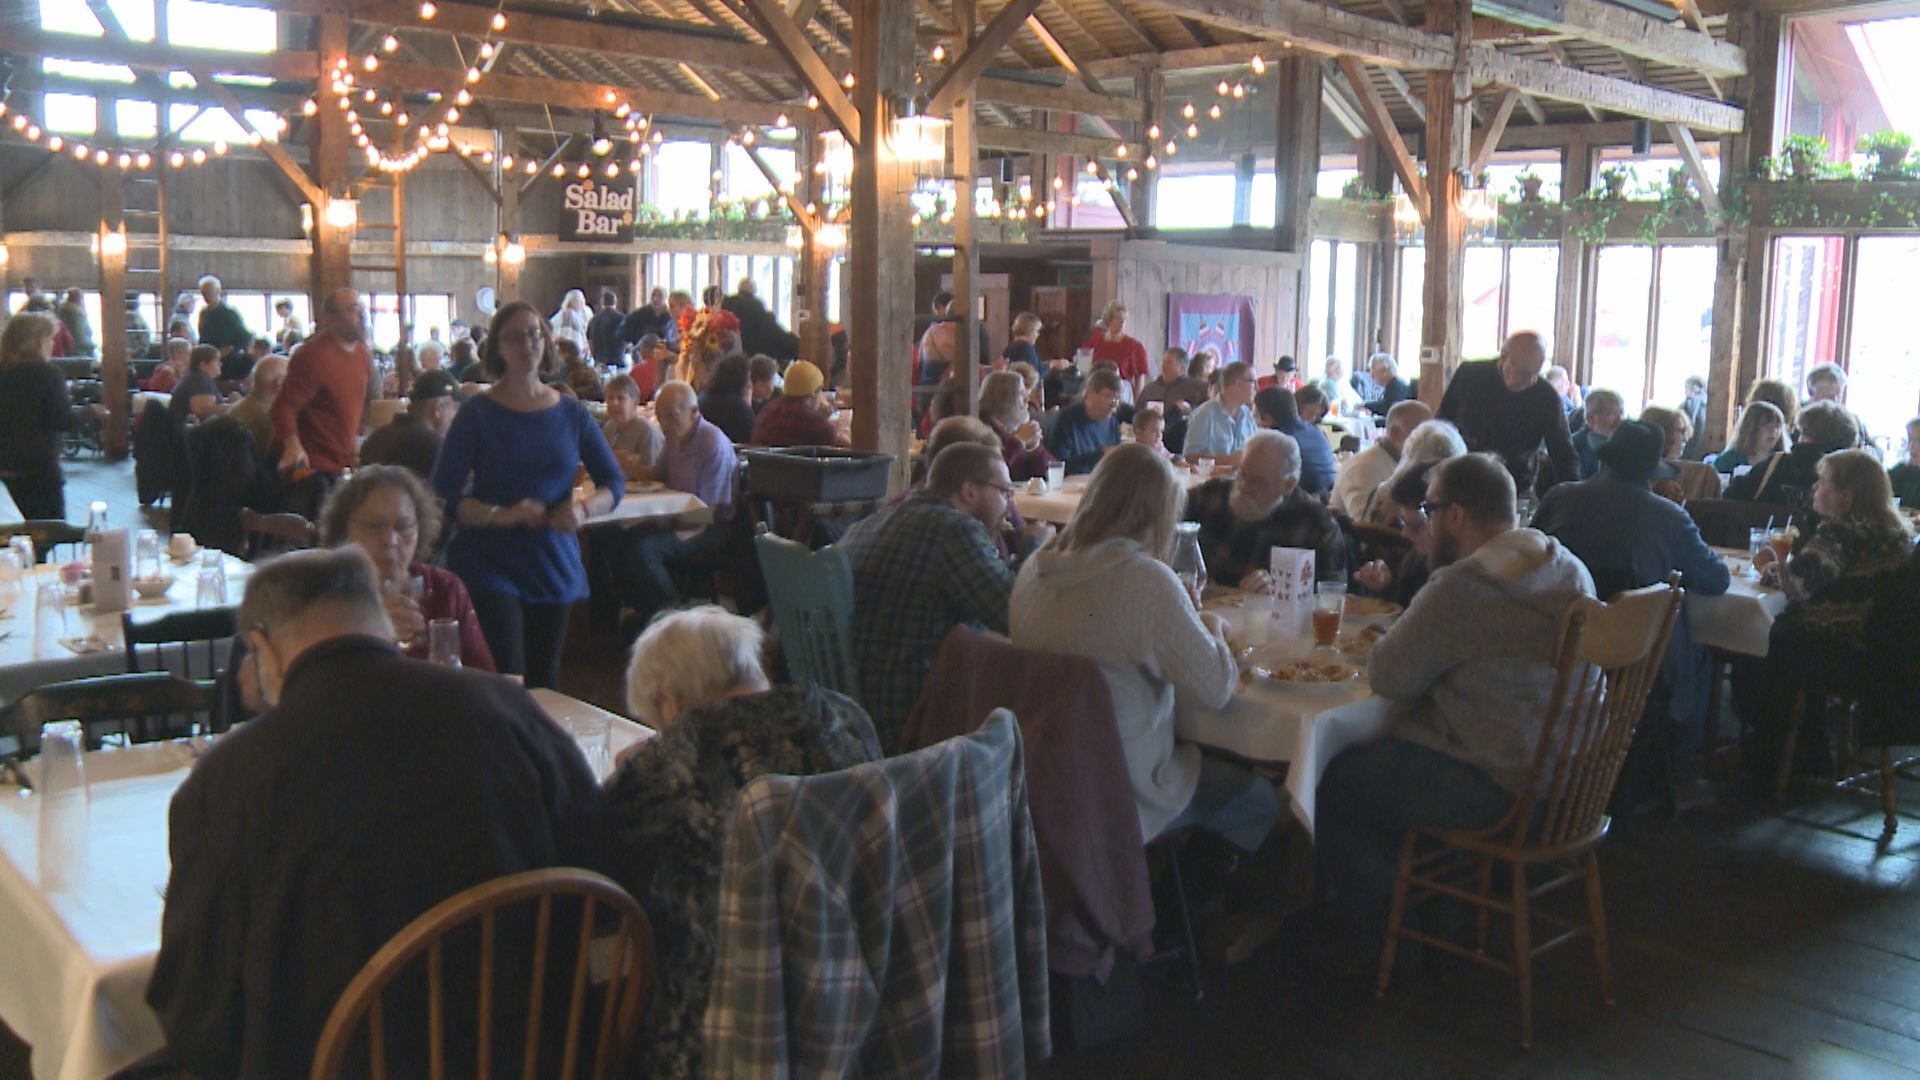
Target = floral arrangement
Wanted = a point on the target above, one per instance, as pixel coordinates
(702, 337)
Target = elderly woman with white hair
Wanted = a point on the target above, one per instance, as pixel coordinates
(1433, 441)
(1384, 370)
(573, 316)
(695, 677)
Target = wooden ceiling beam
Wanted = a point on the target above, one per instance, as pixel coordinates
(1374, 109)
(580, 95)
(1401, 87)
(693, 42)
(786, 36)
(1556, 83)
(1487, 139)
(1075, 99)
(996, 35)
(1624, 31)
(1320, 28)
(291, 169)
(1175, 60)
(1021, 140)
(1133, 23)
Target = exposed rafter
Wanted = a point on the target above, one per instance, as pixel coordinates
(1374, 108)
(1624, 31)
(1555, 83)
(787, 37)
(959, 79)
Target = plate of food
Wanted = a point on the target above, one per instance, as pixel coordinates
(1372, 607)
(1308, 676)
(1358, 645)
(644, 487)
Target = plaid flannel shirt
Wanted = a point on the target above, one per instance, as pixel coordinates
(920, 568)
(886, 920)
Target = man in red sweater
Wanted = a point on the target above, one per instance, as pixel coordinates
(316, 418)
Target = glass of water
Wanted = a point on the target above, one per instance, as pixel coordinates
(443, 642)
(594, 736)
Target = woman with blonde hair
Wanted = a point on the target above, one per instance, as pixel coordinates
(1003, 406)
(1831, 585)
(34, 413)
(1103, 590)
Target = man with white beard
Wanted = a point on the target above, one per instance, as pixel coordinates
(1261, 508)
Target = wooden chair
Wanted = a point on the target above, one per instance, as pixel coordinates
(140, 708)
(185, 643)
(46, 536)
(812, 596)
(360, 1005)
(1607, 659)
(274, 534)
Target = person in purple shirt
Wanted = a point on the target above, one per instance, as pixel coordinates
(695, 457)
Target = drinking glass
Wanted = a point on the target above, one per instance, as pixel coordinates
(1187, 562)
(416, 591)
(211, 583)
(1756, 540)
(443, 642)
(1202, 468)
(1781, 540)
(1329, 606)
(1056, 476)
(146, 556)
(594, 736)
(22, 547)
(62, 792)
(10, 573)
(49, 617)
(1259, 618)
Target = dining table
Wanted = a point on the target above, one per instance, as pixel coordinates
(83, 929)
(1275, 722)
(1738, 620)
(92, 641)
(1038, 501)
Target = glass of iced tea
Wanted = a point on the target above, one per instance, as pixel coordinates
(1329, 604)
(1781, 541)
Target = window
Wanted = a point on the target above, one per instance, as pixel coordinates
(221, 26)
(1503, 176)
(1803, 309)
(1683, 321)
(1328, 185)
(682, 178)
(1533, 291)
(1260, 209)
(71, 114)
(427, 311)
(1413, 284)
(1883, 384)
(1623, 290)
(684, 273)
(1649, 172)
(1199, 201)
(1333, 284)
(744, 179)
(1852, 74)
(75, 17)
(1483, 288)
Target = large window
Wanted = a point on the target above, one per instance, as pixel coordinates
(1623, 291)
(1482, 286)
(1803, 309)
(1851, 73)
(682, 178)
(772, 278)
(1412, 292)
(1683, 321)
(1507, 287)
(1333, 286)
(679, 272)
(1883, 360)
(1198, 201)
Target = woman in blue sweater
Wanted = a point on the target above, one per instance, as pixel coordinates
(507, 469)
(1276, 409)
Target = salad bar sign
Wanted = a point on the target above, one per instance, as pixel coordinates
(594, 211)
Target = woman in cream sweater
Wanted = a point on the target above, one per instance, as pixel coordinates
(1103, 590)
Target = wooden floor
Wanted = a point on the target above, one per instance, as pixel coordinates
(1747, 943)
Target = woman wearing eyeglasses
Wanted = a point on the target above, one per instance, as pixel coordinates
(506, 471)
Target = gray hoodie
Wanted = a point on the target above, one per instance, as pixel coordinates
(1470, 665)
(1125, 610)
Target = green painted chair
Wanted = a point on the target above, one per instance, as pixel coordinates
(812, 595)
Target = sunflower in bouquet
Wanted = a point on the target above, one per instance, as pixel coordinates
(704, 336)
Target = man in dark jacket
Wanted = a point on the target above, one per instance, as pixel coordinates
(760, 332)
(603, 330)
(374, 788)
(652, 317)
(1505, 408)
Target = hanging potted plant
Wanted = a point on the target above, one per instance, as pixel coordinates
(1615, 178)
(1803, 155)
(1530, 184)
(1679, 183)
(1889, 152)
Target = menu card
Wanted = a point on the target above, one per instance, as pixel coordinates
(112, 570)
(1292, 572)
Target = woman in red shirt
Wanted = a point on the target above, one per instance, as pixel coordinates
(1109, 342)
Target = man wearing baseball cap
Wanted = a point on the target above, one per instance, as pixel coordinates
(412, 440)
(799, 416)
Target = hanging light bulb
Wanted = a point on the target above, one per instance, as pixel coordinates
(633, 166)
(559, 170)
(176, 159)
(848, 81)
(80, 151)
(746, 137)
(939, 53)
(1172, 148)
(101, 157)
(142, 159)
(1120, 151)
(1258, 64)
(1214, 113)
(499, 21)
(463, 98)
(1222, 88)
(1193, 132)
(813, 102)
(1151, 162)
(1093, 168)
(389, 43)
(1133, 174)
(54, 144)
(1239, 91)
(1153, 131)
(584, 171)
(427, 10)
(1187, 111)
(309, 107)
(220, 148)
(532, 167)
(506, 161)
(199, 156)
(780, 120)
(386, 108)
(371, 63)
(403, 120)
(370, 97)
(473, 75)
(613, 170)
(453, 116)
(486, 50)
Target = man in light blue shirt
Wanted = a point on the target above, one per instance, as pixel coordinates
(1220, 428)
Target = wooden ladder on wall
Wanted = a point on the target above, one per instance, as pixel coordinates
(389, 191)
(144, 212)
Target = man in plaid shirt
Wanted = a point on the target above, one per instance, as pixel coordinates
(921, 567)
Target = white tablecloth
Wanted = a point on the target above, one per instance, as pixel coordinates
(77, 960)
(1057, 506)
(1271, 723)
(22, 671)
(1740, 619)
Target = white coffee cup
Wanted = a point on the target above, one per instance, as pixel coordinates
(1036, 486)
(182, 546)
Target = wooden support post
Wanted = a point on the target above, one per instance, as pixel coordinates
(1735, 349)
(1447, 129)
(1296, 153)
(966, 250)
(815, 327)
(332, 266)
(1569, 317)
(881, 258)
(1146, 192)
(113, 316)
(506, 283)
